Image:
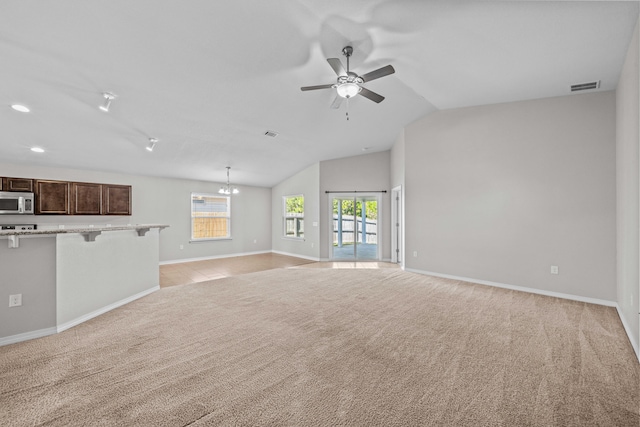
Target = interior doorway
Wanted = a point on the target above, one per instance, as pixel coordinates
(354, 226)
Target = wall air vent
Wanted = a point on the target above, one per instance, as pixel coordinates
(585, 86)
(271, 133)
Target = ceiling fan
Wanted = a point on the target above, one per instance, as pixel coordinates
(349, 84)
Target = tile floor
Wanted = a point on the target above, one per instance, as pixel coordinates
(200, 271)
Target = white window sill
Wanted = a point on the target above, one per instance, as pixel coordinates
(217, 239)
(297, 239)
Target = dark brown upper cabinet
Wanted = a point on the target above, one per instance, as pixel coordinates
(52, 197)
(16, 184)
(116, 199)
(73, 198)
(86, 198)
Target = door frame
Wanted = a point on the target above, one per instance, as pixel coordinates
(354, 195)
(397, 226)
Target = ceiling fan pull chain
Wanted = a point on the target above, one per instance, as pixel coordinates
(347, 113)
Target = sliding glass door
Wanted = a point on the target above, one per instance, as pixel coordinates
(354, 225)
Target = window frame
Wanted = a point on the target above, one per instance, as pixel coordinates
(285, 216)
(227, 216)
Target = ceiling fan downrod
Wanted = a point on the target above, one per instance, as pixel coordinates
(347, 51)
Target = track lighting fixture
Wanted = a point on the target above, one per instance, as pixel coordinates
(152, 144)
(108, 97)
(227, 189)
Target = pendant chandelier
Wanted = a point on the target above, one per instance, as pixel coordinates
(227, 189)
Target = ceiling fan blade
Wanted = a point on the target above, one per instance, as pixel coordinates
(316, 87)
(376, 74)
(336, 102)
(371, 95)
(337, 66)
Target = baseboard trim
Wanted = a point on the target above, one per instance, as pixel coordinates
(96, 313)
(206, 258)
(627, 329)
(310, 258)
(518, 288)
(26, 336)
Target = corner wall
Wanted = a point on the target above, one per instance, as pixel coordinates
(307, 183)
(500, 193)
(628, 191)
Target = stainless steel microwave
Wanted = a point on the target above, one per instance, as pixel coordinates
(15, 203)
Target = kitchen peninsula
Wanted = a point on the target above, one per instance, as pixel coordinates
(67, 276)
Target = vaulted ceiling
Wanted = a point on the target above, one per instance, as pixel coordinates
(209, 78)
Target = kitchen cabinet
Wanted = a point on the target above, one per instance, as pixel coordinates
(72, 198)
(52, 197)
(86, 198)
(116, 199)
(16, 184)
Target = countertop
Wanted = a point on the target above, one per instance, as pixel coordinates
(80, 230)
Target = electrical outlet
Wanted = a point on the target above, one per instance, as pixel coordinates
(181, 246)
(415, 254)
(255, 240)
(554, 269)
(311, 244)
(15, 300)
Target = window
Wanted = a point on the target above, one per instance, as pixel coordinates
(294, 216)
(210, 216)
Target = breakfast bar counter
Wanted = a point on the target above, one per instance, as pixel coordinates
(66, 276)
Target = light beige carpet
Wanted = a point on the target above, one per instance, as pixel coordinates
(308, 347)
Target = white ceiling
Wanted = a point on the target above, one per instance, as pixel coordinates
(208, 78)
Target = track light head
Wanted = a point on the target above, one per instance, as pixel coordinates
(152, 144)
(108, 97)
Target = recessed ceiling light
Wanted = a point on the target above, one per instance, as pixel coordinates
(37, 150)
(20, 107)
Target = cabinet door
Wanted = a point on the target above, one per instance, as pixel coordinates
(86, 198)
(52, 197)
(17, 184)
(116, 199)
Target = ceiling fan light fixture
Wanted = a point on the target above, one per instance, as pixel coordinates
(348, 90)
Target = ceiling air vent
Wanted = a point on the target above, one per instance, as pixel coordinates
(271, 133)
(585, 86)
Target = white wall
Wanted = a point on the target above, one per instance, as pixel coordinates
(164, 201)
(397, 162)
(93, 275)
(307, 183)
(628, 191)
(500, 193)
(34, 277)
(369, 172)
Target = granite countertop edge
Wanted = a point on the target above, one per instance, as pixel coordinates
(79, 230)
